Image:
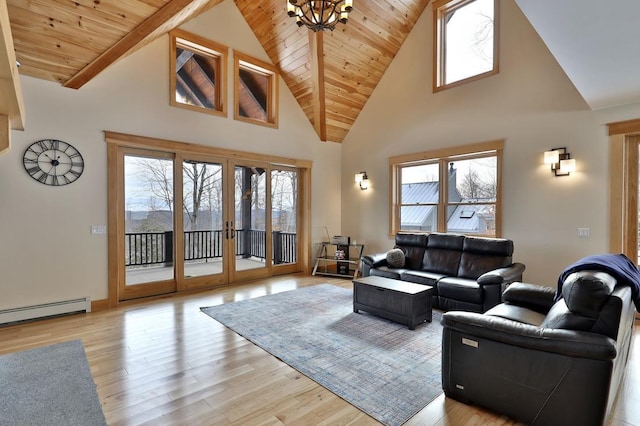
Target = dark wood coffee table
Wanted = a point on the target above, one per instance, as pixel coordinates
(399, 301)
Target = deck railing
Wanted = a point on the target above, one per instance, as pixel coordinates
(150, 248)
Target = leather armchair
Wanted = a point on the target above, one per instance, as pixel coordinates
(540, 361)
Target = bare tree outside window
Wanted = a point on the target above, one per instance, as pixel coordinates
(465, 42)
(479, 178)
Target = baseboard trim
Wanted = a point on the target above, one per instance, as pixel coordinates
(99, 305)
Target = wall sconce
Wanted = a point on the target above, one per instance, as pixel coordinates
(363, 180)
(561, 162)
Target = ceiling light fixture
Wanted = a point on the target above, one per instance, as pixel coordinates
(320, 15)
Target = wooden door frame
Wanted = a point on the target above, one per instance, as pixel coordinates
(234, 274)
(115, 194)
(195, 283)
(624, 138)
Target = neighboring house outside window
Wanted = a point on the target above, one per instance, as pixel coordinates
(455, 190)
(465, 41)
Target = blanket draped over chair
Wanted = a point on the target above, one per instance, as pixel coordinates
(618, 266)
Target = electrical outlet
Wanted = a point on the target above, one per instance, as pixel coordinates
(584, 232)
(98, 229)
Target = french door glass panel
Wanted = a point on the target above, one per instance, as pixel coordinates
(203, 218)
(249, 227)
(284, 216)
(148, 203)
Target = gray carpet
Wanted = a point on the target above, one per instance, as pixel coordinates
(49, 386)
(381, 367)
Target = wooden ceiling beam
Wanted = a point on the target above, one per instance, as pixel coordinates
(170, 16)
(12, 113)
(316, 46)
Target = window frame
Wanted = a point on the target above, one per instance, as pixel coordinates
(443, 157)
(440, 9)
(242, 60)
(205, 47)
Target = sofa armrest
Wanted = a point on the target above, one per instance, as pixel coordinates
(564, 342)
(532, 296)
(503, 275)
(375, 260)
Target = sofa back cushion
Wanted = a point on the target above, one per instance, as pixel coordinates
(413, 247)
(443, 253)
(480, 255)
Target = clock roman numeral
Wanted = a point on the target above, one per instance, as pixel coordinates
(55, 144)
(33, 170)
(75, 173)
(42, 178)
(43, 145)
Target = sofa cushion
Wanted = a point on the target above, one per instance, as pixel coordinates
(422, 277)
(462, 289)
(443, 253)
(385, 271)
(481, 255)
(395, 258)
(413, 246)
(516, 313)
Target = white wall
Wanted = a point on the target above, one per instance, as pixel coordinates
(531, 104)
(47, 252)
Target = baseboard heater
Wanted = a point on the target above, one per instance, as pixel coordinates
(44, 310)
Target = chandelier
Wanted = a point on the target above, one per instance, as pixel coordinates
(319, 15)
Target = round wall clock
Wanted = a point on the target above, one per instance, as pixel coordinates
(53, 162)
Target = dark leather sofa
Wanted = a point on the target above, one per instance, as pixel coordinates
(467, 273)
(540, 361)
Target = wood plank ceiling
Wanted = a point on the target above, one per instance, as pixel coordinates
(331, 74)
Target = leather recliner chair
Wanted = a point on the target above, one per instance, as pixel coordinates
(541, 361)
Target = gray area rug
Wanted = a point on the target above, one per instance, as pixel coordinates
(49, 386)
(381, 367)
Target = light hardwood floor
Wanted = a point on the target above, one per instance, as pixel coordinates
(162, 361)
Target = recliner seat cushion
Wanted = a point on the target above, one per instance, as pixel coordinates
(517, 313)
(461, 289)
(386, 272)
(422, 277)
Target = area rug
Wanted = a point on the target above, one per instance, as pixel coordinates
(51, 385)
(381, 367)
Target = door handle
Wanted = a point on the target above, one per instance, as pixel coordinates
(233, 231)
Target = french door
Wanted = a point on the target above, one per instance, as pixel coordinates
(187, 221)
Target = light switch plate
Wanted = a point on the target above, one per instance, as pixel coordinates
(584, 232)
(98, 229)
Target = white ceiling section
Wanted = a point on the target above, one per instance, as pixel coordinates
(596, 42)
